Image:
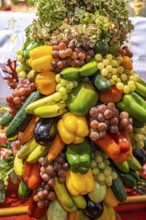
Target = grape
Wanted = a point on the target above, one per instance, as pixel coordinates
(124, 115)
(93, 164)
(104, 72)
(57, 96)
(109, 56)
(94, 135)
(101, 177)
(62, 173)
(102, 126)
(93, 112)
(98, 57)
(109, 68)
(101, 165)
(61, 179)
(114, 121)
(100, 66)
(114, 129)
(108, 114)
(62, 46)
(100, 117)
(62, 90)
(94, 124)
(95, 171)
(98, 159)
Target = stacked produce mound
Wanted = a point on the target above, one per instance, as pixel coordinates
(77, 112)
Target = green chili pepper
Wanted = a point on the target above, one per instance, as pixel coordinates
(135, 105)
(28, 46)
(79, 157)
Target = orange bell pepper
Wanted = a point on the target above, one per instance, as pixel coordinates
(31, 175)
(116, 146)
(46, 83)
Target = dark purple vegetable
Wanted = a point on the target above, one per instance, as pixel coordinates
(93, 210)
(45, 130)
(140, 155)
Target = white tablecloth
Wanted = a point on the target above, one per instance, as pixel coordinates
(12, 36)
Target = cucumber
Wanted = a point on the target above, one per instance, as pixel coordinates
(101, 82)
(128, 180)
(6, 119)
(135, 175)
(117, 187)
(21, 117)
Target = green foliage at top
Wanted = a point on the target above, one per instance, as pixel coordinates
(52, 14)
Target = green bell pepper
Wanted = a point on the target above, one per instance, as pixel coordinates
(135, 105)
(82, 98)
(79, 157)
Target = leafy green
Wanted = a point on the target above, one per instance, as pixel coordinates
(6, 172)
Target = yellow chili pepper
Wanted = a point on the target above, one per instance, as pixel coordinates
(79, 184)
(72, 128)
(41, 58)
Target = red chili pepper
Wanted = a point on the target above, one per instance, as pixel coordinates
(34, 211)
(116, 146)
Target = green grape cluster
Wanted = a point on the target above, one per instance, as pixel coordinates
(64, 87)
(137, 137)
(101, 169)
(111, 68)
(23, 68)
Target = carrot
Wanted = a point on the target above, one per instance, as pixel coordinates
(34, 178)
(26, 171)
(28, 133)
(56, 147)
(72, 215)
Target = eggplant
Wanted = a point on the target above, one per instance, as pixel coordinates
(92, 209)
(45, 130)
(140, 155)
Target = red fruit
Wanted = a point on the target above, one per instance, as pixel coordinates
(112, 95)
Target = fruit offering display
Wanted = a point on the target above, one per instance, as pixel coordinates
(77, 112)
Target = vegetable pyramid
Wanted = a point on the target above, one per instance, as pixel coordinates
(77, 112)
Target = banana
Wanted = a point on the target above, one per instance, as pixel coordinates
(18, 166)
(63, 196)
(49, 100)
(134, 164)
(79, 201)
(110, 199)
(39, 151)
(51, 111)
(26, 149)
(108, 213)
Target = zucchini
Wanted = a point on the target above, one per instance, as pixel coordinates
(21, 117)
(117, 187)
(6, 119)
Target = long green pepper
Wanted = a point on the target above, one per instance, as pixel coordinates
(135, 105)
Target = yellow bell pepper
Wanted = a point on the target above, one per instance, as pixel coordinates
(41, 58)
(72, 128)
(79, 184)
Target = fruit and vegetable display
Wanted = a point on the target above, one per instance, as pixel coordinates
(77, 112)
